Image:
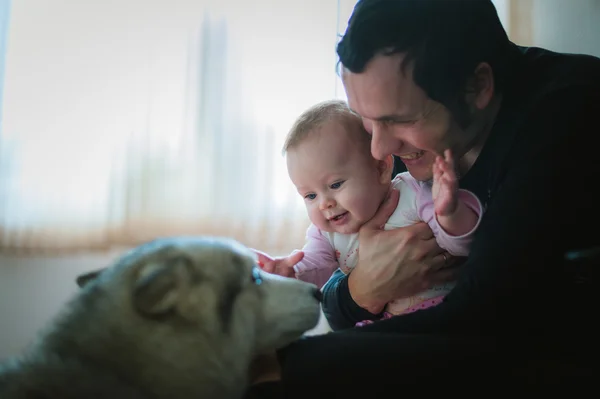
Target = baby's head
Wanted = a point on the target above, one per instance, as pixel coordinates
(329, 161)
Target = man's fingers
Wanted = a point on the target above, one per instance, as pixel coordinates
(384, 212)
(444, 275)
(421, 230)
(441, 261)
(445, 267)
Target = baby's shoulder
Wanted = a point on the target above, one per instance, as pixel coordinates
(403, 181)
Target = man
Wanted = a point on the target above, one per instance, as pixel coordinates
(425, 76)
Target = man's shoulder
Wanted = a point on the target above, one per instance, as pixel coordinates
(546, 87)
(546, 72)
(549, 99)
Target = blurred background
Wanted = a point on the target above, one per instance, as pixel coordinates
(125, 120)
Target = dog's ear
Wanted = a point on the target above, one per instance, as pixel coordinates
(83, 279)
(161, 284)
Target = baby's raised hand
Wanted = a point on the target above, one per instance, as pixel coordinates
(445, 185)
(282, 266)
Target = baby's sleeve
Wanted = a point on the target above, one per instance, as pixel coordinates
(455, 245)
(319, 260)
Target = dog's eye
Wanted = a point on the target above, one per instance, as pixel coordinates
(256, 279)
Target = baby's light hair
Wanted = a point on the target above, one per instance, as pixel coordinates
(311, 120)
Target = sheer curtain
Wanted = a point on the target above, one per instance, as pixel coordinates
(125, 120)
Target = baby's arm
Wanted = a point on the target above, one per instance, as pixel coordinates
(315, 263)
(458, 245)
(453, 212)
(456, 239)
(319, 261)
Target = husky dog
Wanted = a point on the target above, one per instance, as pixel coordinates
(174, 318)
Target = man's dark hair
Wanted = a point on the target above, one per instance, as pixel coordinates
(446, 39)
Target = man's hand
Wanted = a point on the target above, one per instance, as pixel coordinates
(282, 266)
(396, 263)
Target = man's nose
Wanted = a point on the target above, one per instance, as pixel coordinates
(383, 143)
(368, 125)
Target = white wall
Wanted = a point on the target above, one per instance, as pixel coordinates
(32, 290)
(503, 9)
(567, 25)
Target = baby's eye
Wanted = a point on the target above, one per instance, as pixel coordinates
(336, 185)
(310, 196)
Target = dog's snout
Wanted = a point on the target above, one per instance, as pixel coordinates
(318, 295)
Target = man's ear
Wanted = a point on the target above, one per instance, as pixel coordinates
(83, 279)
(385, 169)
(480, 87)
(162, 283)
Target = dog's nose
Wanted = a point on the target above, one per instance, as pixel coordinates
(318, 295)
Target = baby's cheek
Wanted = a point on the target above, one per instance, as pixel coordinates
(316, 218)
(366, 206)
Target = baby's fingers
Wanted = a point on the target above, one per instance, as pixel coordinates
(262, 258)
(448, 160)
(437, 171)
(448, 169)
(294, 258)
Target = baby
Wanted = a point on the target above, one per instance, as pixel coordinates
(329, 161)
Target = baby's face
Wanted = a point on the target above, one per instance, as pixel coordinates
(341, 183)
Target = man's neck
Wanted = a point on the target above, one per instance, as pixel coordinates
(484, 127)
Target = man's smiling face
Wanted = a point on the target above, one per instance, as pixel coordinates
(400, 116)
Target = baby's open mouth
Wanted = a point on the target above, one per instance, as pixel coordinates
(338, 217)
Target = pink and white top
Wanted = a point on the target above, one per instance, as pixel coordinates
(326, 252)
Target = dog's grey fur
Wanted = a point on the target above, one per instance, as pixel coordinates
(174, 318)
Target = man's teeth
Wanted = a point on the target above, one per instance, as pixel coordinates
(414, 155)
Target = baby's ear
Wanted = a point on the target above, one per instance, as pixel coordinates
(385, 169)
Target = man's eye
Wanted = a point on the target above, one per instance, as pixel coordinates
(336, 185)
(256, 279)
(391, 122)
(310, 196)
